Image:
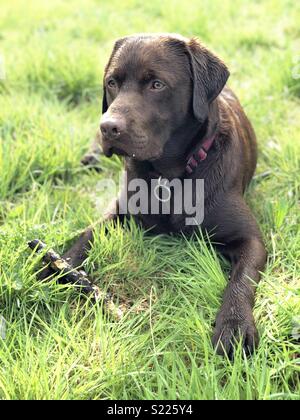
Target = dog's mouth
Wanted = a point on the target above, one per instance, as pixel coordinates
(109, 151)
(141, 155)
(118, 151)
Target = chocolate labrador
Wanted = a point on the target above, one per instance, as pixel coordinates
(167, 111)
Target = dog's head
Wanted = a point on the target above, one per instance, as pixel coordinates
(155, 88)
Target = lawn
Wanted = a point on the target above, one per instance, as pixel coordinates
(54, 343)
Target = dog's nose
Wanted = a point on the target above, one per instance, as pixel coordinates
(112, 128)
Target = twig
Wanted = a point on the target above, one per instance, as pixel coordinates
(78, 277)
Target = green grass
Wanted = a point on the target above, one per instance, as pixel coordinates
(56, 344)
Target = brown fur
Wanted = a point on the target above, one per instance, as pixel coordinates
(156, 131)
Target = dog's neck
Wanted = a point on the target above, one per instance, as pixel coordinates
(175, 166)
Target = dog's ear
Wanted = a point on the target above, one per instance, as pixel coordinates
(117, 45)
(209, 76)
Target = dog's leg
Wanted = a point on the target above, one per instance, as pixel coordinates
(77, 254)
(242, 240)
(92, 157)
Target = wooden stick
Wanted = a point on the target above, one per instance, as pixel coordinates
(71, 275)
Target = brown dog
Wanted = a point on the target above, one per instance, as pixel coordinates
(166, 110)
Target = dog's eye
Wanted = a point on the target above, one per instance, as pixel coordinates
(112, 83)
(157, 85)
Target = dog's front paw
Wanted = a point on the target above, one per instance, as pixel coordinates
(230, 330)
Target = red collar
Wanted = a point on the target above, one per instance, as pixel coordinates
(199, 155)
